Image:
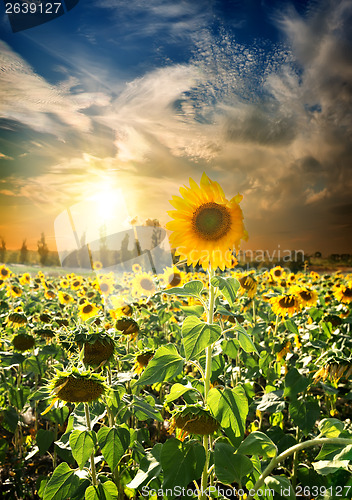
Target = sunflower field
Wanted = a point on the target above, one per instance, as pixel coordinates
(209, 383)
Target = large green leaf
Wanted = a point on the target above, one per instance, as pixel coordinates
(330, 427)
(144, 408)
(325, 467)
(244, 339)
(295, 383)
(82, 446)
(192, 288)
(62, 483)
(227, 286)
(282, 485)
(164, 366)
(181, 462)
(230, 467)
(44, 439)
(149, 468)
(104, 491)
(230, 408)
(197, 335)
(113, 442)
(258, 443)
(178, 390)
(304, 414)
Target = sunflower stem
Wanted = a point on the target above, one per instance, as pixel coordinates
(294, 449)
(92, 464)
(208, 353)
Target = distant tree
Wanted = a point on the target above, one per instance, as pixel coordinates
(23, 252)
(43, 250)
(317, 255)
(2, 249)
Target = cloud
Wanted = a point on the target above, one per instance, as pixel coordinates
(28, 98)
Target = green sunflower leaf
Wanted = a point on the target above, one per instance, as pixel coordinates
(192, 288)
(62, 483)
(230, 408)
(227, 286)
(82, 446)
(164, 366)
(113, 442)
(197, 335)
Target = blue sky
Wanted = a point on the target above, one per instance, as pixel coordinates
(143, 95)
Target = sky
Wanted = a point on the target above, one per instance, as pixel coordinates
(139, 96)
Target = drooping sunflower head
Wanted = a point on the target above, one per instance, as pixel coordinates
(16, 319)
(142, 360)
(127, 326)
(64, 298)
(206, 227)
(248, 285)
(23, 342)
(194, 419)
(287, 304)
(76, 387)
(98, 347)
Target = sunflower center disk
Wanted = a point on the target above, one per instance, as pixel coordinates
(211, 221)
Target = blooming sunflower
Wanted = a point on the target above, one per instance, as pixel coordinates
(172, 277)
(344, 293)
(5, 272)
(307, 296)
(206, 226)
(277, 273)
(87, 310)
(285, 304)
(143, 284)
(64, 298)
(14, 291)
(25, 279)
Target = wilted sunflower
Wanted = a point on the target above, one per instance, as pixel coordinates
(127, 326)
(16, 319)
(142, 360)
(87, 310)
(206, 226)
(23, 342)
(76, 387)
(194, 420)
(248, 284)
(143, 284)
(98, 347)
(344, 293)
(285, 304)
